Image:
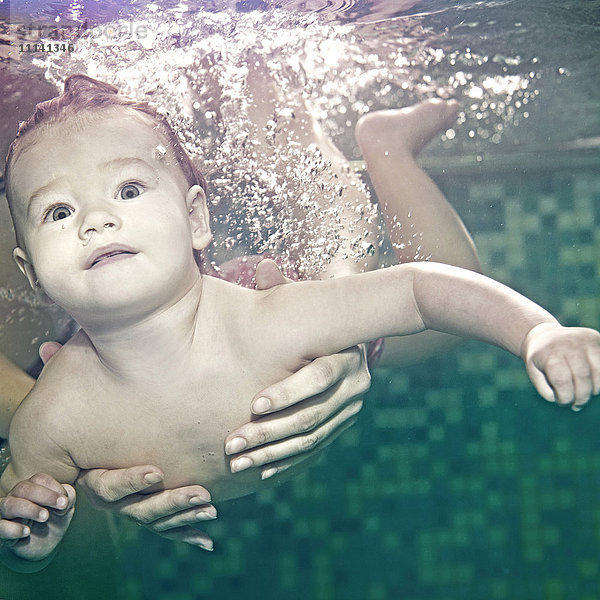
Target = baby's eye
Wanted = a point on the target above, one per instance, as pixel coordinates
(130, 191)
(57, 213)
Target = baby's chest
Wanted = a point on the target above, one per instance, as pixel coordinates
(178, 423)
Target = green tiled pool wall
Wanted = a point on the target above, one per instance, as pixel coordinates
(458, 481)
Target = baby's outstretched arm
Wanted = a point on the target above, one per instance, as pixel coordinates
(413, 297)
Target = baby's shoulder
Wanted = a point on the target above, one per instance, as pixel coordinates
(66, 376)
(73, 364)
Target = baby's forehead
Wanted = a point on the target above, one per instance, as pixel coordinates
(87, 123)
(129, 127)
(109, 136)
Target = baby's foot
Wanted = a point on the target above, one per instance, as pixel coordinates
(396, 132)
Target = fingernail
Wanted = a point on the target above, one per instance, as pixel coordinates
(261, 405)
(196, 500)
(240, 464)
(26, 532)
(268, 473)
(152, 477)
(206, 546)
(204, 515)
(61, 502)
(235, 445)
(43, 515)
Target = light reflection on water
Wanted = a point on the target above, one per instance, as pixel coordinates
(482, 52)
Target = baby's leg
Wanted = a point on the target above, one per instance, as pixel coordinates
(421, 223)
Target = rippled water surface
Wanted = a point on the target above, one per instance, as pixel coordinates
(508, 61)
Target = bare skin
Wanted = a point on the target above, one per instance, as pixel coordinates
(420, 221)
(390, 142)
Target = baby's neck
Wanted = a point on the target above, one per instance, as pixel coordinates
(154, 342)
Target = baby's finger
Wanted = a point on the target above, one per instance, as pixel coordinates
(315, 378)
(560, 378)
(582, 379)
(191, 516)
(594, 360)
(538, 379)
(115, 484)
(293, 446)
(148, 509)
(12, 530)
(189, 535)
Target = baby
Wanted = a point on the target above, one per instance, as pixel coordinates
(108, 211)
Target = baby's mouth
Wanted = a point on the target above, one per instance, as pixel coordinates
(107, 254)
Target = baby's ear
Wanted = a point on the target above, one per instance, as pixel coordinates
(26, 267)
(22, 259)
(195, 201)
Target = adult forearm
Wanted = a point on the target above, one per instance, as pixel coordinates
(15, 384)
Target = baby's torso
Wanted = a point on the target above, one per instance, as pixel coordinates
(178, 417)
(181, 429)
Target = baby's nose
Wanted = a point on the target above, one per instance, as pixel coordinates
(96, 222)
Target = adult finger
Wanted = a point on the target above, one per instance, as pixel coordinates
(191, 516)
(296, 420)
(48, 349)
(110, 485)
(268, 275)
(300, 444)
(278, 467)
(12, 530)
(316, 377)
(147, 509)
(12, 507)
(192, 536)
(42, 490)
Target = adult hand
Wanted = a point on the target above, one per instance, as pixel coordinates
(173, 514)
(304, 412)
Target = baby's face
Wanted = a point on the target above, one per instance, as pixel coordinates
(105, 219)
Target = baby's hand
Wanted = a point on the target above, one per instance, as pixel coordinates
(35, 516)
(563, 363)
